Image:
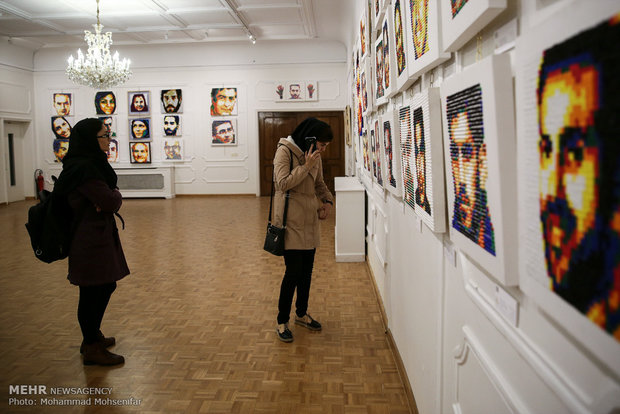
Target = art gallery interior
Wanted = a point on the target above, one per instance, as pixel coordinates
(472, 323)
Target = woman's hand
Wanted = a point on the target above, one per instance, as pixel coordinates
(324, 211)
(312, 156)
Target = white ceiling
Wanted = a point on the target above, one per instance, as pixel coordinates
(61, 23)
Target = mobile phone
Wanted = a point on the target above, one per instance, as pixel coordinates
(310, 141)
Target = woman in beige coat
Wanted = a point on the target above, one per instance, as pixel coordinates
(309, 201)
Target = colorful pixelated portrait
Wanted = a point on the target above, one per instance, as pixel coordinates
(113, 151)
(140, 128)
(471, 215)
(140, 152)
(173, 150)
(363, 39)
(109, 124)
(224, 132)
(171, 101)
(407, 156)
(378, 153)
(579, 179)
(62, 104)
(456, 6)
(224, 101)
(105, 103)
(366, 151)
(401, 61)
(419, 26)
(172, 125)
(364, 92)
(419, 143)
(138, 102)
(60, 146)
(61, 127)
(386, 55)
(380, 73)
(388, 147)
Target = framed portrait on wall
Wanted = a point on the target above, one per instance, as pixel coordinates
(478, 132)
(379, 73)
(60, 147)
(424, 49)
(62, 104)
(429, 194)
(407, 158)
(567, 100)
(171, 101)
(366, 155)
(140, 128)
(400, 45)
(295, 91)
(138, 102)
(389, 56)
(224, 101)
(113, 151)
(390, 133)
(462, 19)
(61, 127)
(378, 11)
(110, 124)
(172, 149)
(224, 132)
(105, 103)
(172, 125)
(364, 35)
(140, 152)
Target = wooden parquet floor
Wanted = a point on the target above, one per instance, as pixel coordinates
(196, 319)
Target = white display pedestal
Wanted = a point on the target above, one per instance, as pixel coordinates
(350, 207)
(152, 181)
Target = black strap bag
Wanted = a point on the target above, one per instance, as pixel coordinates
(274, 240)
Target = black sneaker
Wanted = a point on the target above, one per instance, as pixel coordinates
(284, 334)
(308, 322)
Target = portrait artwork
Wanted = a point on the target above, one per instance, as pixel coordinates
(171, 101)
(377, 153)
(62, 104)
(366, 152)
(60, 146)
(61, 127)
(105, 103)
(400, 32)
(364, 34)
(110, 125)
(224, 132)
(407, 156)
(569, 174)
(173, 150)
(390, 132)
(224, 101)
(478, 138)
(140, 152)
(456, 6)
(295, 91)
(140, 128)
(138, 103)
(379, 72)
(461, 20)
(113, 151)
(172, 125)
(389, 61)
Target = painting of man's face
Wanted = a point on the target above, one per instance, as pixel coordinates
(171, 100)
(140, 152)
(61, 146)
(400, 48)
(172, 150)
(223, 132)
(62, 104)
(172, 125)
(223, 101)
(295, 91)
(419, 13)
(113, 151)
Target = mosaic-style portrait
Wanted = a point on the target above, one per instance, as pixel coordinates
(468, 156)
(364, 92)
(379, 71)
(377, 153)
(105, 103)
(387, 79)
(224, 101)
(60, 146)
(224, 132)
(173, 150)
(62, 104)
(295, 91)
(112, 151)
(366, 152)
(401, 59)
(391, 152)
(110, 124)
(424, 45)
(171, 101)
(460, 26)
(456, 6)
(363, 35)
(140, 152)
(61, 127)
(172, 125)
(579, 175)
(138, 102)
(419, 143)
(407, 156)
(419, 26)
(140, 128)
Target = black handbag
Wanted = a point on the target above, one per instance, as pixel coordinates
(274, 240)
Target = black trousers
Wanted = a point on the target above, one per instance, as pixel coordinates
(298, 275)
(91, 307)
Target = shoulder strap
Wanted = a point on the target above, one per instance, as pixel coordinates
(285, 198)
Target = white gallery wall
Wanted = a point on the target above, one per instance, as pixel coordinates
(470, 343)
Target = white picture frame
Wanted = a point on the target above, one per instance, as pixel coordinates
(469, 19)
(390, 133)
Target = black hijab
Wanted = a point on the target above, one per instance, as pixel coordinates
(312, 127)
(84, 160)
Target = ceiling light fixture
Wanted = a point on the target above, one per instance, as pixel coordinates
(98, 69)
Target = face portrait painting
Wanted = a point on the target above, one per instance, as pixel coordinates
(105, 103)
(138, 103)
(61, 127)
(172, 150)
(400, 48)
(61, 146)
(223, 101)
(62, 104)
(108, 123)
(471, 215)
(171, 125)
(171, 100)
(140, 128)
(579, 177)
(419, 144)
(113, 151)
(223, 132)
(386, 56)
(294, 91)
(140, 152)
(419, 13)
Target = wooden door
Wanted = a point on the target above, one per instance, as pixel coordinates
(275, 125)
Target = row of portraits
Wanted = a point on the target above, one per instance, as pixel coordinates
(296, 91)
(139, 128)
(566, 223)
(139, 152)
(223, 102)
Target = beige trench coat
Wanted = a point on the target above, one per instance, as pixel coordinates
(307, 194)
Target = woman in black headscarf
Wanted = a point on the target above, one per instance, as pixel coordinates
(96, 259)
(298, 169)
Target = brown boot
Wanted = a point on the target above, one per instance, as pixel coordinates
(96, 354)
(106, 342)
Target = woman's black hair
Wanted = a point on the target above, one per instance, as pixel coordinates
(312, 127)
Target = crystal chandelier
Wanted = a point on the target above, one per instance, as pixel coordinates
(98, 69)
